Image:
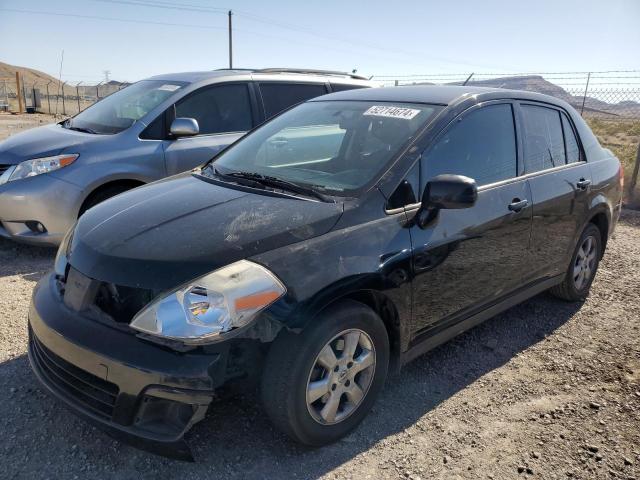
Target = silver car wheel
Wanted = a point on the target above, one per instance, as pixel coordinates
(584, 266)
(340, 376)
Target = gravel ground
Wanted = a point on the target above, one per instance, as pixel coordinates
(10, 124)
(547, 390)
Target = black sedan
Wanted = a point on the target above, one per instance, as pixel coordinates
(329, 246)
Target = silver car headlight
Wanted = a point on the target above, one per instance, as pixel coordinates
(204, 308)
(37, 166)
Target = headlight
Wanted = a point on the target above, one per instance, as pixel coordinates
(62, 257)
(31, 168)
(210, 305)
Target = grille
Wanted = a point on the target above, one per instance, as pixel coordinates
(94, 393)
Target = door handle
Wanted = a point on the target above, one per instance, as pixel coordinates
(517, 205)
(583, 184)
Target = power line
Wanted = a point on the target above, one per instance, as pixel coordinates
(167, 5)
(281, 24)
(414, 56)
(112, 19)
(206, 27)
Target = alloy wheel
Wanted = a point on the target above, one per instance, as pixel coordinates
(340, 376)
(584, 266)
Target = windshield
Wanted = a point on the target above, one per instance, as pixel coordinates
(335, 146)
(122, 109)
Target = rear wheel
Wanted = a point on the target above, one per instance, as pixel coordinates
(319, 385)
(583, 266)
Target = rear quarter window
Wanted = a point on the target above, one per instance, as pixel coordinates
(571, 143)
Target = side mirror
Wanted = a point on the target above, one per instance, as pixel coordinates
(184, 127)
(446, 192)
(449, 192)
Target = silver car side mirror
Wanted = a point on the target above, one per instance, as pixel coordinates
(184, 127)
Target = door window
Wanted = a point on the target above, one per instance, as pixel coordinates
(543, 140)
(571, 143)
(277, 97)
(480, 145)
(218, 109)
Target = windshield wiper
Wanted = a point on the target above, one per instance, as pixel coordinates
(275, 182)
(69, 126)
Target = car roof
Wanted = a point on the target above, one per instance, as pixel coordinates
(325, 75)
(433, 94)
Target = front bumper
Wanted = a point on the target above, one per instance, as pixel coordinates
(141, 393)
(43, 198)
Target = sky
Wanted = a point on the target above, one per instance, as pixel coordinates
(134, 39)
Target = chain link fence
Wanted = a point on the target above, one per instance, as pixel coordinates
(613, 95)
(53, 97)
(4, 96)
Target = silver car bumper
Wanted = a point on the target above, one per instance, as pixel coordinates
(45, 199)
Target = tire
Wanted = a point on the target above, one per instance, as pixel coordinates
(101, 195)
(570, 289)
(294, 362)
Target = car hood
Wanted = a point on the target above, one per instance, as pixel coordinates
(164, 234)
(42, 142)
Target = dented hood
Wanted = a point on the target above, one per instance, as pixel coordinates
(164, 234)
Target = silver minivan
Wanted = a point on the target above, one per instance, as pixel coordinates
(152, 129)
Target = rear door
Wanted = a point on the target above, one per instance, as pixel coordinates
(465, 260)
(278, 96)
(224, 113)
(560, 181)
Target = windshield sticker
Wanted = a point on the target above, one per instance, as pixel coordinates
(392, 112)
(169, 88)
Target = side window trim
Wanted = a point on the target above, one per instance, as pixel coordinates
(561, 111)
(460, 116)
(169, 113)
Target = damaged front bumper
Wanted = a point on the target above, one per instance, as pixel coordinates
(144, 394)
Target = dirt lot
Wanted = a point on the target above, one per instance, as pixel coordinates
(545, 390)
(12, 124)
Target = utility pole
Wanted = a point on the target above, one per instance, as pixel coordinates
(230, 41)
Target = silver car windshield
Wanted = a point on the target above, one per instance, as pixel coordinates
(337, 147)
(122, 109)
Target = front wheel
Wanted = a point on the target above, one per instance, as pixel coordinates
(319, 385)
(583, 266)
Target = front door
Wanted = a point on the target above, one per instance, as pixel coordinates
(466, 259)
(223, 113)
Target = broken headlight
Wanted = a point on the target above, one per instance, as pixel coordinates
(204, 308)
